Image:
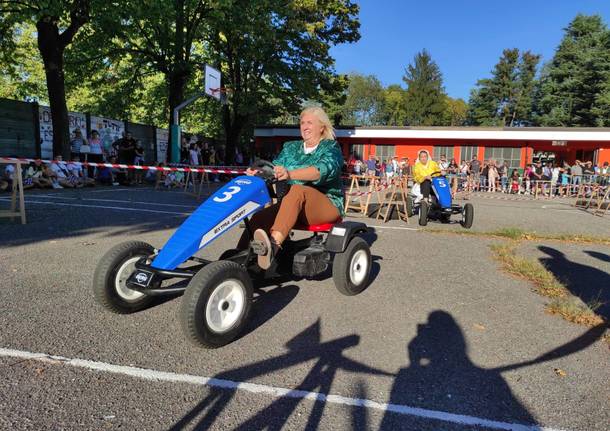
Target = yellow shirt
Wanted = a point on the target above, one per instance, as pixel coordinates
(420, 171)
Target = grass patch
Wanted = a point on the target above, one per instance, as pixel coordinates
(564, 303)
(573, 311)
(544, 282)
(518, 234)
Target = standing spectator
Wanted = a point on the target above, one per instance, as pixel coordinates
(442, 163)
(527, 177)
(514, 182)
(576, 172)
(205, 155)
(239, 158)
(96, 152)
(483, 177)
(370, 166)
(492, 175)
(357, 167)
(588, 173)
(604, 174)
(536, 176)
(503, 172)
(125, 148)
(555, 173)
(475, 172)
(395, 166)
(405, 167)
(75, 144)
(389, 169)
(138, 160)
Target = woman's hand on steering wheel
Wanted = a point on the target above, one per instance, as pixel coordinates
(281, 173)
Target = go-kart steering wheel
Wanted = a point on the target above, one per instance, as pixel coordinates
(264, 169)
(266, 172)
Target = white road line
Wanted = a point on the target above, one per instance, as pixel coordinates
(278, 392)
(108, 207)
(111, 200)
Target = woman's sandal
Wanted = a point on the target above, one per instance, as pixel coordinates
(265, 260)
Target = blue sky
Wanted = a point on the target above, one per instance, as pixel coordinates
(464, 37)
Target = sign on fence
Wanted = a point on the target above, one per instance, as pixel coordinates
(76, 120)
(162, 142)
(110, 130)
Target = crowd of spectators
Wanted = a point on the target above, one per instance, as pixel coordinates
(495, 176)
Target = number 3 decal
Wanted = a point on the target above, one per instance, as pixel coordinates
(227, 195)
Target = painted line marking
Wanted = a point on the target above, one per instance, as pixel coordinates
(393, 227)
(110, 200)
(65, 204)
(274, 391)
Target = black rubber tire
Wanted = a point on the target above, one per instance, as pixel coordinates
(228, 253)
(104, 287)
(423, 213)
(409, 203)
(468, 216)
(341, 267)
(198, 292)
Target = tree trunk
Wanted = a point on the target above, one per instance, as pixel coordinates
(52, 51)
(233, 125)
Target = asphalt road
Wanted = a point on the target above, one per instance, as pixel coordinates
(440, 340)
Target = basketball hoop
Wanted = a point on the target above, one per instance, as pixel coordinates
(221, 93)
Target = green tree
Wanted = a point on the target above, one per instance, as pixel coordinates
(574, 88)
(364, 102)
(505, 99)
(57, 23)
(425, 98)
(22, 74)
(274, 55)
(140, 39)
(395, 105)
(456, 112)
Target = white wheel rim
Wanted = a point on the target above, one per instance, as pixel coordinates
(225, 305)
(358, 267)
(120, 280)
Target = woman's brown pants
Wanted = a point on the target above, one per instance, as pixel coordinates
(302, 204)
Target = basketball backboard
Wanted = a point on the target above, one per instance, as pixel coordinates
(212, 82)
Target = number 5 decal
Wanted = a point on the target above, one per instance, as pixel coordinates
(227, 195)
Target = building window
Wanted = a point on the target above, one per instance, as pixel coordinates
(357, 150)
(438, 150)
(384, 152)
(468, 152)
(503, 154)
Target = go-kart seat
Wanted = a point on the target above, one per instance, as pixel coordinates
(324, 227)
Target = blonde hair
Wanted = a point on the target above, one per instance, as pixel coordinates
(329, 132)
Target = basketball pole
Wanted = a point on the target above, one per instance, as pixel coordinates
(176, 130)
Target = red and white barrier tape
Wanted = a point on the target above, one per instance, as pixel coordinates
(210, 170)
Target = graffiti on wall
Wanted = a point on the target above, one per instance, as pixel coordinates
(162, 142)
(76, 120)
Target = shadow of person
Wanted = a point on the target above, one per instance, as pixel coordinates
(305, 346)
(268, 303)
(441, 377)
(596, 254)
(590, 284)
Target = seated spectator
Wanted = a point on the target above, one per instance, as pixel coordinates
(77, 171)
(7, 178)
(35, 176)
(60, 174)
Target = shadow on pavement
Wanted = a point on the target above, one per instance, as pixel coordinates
(440, 380)
(589, 283)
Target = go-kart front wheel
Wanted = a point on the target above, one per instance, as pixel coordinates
(216, 304)
(351, 268)
(110, 278)
(424, 207)
(467, 216)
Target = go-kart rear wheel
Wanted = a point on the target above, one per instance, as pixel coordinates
(424, 207)
(109, 280)
(216, 304)
(409, 204)
(351, 268)
(467, 216)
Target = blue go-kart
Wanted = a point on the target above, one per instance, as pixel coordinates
(218, 297)
(441, 206)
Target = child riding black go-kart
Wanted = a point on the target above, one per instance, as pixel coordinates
(217, 300)
(440, 206)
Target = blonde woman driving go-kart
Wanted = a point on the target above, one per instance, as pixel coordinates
(423, 170)
(312, 166)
